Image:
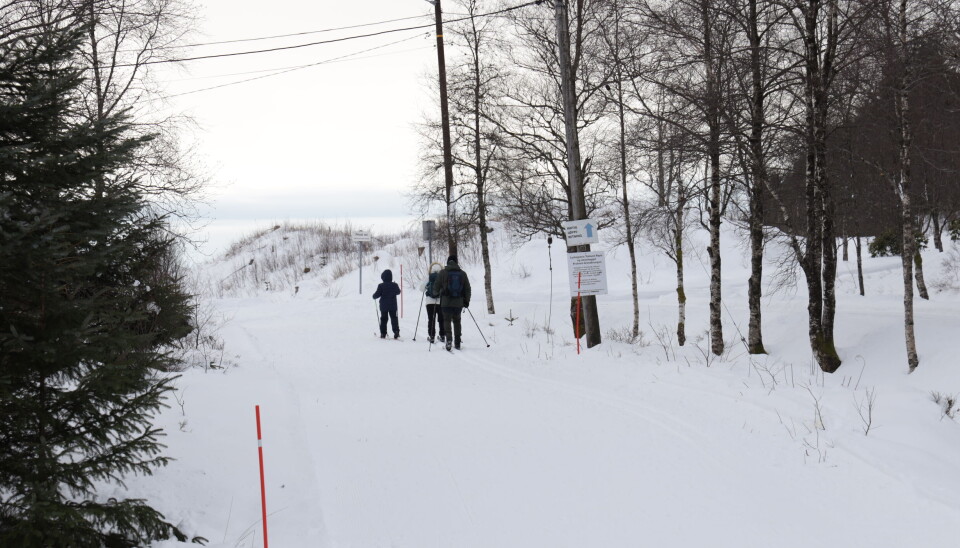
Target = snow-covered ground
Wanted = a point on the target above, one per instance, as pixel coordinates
(524, 443)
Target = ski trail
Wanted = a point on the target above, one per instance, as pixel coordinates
(943, 494)
(463, 501)
(407, 446)
(684, 431)
(284, 440)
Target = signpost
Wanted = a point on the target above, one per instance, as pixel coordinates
(582, 232)
(360, 236)
(588, 270)
(429, 227)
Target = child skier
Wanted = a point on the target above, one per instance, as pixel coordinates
(387, 293)
(432, 298)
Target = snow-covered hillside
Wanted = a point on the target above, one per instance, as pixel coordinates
(525, 443)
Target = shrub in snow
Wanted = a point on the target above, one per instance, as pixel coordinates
(950, 271)
(948, 404)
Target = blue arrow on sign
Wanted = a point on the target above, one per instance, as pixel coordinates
(589, 228)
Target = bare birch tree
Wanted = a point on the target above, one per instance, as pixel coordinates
(125, 41)
(760, 76)
(825, 38)
(672, 160)
(622, 49)
(693, 51)
(536, 196)
(477, 146)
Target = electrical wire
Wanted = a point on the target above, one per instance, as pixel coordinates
(331, 41)
(279, 71)
(294, 67)
(244, 73)
(304, 33)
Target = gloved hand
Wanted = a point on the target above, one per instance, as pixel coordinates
(466, 304)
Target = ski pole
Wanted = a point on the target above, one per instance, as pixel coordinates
(478, 328)
(418, 315)
(375, 307)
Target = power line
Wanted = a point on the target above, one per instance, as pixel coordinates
(297, 46)
(281, 48)
(244, 73)
(304, 33)
(280, 71)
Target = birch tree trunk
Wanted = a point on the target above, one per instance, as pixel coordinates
(906, 211)
(817, 262)
(628, 222)
(678, 253)
(713, 152)
(759, 181)
(480, 172)
(937, 230)
(662, 191)
(918, 274)
(628, 225)
(485, 255)
(859, 264)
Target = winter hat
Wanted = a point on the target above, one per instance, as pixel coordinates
(452, 259)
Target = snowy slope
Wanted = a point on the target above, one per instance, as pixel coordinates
(372, 443)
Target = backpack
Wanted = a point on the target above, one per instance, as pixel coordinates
(455, 283)
(430, 291)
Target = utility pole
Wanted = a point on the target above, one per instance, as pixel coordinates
(578, 208)
(445, 122)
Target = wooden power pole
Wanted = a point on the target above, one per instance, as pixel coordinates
(445, 122)
(577, 201)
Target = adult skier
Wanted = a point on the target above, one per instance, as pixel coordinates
(453, 285)
(432, 298)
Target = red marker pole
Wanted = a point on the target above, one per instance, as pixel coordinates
(577, 329)
(263, 488)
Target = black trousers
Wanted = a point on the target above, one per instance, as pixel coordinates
(394, 322)
(452, 316)
(434, 313)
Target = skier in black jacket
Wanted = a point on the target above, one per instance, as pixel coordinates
(454, 288)
(387, 293)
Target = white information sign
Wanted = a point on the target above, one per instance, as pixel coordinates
(591, 268)
(362, 236)
(580, 232)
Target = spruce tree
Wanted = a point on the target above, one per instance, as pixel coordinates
(86, 309)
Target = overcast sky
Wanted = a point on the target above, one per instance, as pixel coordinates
(333, 141)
